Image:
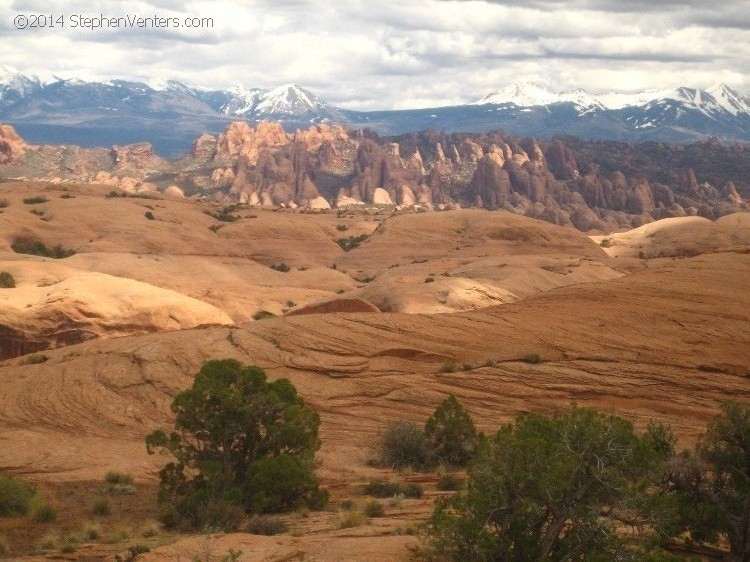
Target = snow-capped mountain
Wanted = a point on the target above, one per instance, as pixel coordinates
(287, 102)
(170, 114)
(730, 100)
(720, 98)
(522, 94)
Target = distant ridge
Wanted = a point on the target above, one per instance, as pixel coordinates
(170, 114)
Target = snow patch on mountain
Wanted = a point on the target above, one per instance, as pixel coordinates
(522, 94)
(730, 100)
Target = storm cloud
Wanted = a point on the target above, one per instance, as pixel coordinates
(394, 54)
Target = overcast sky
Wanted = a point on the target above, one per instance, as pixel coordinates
(385, 54)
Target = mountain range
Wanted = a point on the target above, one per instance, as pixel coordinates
(170, 114)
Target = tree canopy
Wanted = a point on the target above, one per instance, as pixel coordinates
(239, 441)
(545, 488)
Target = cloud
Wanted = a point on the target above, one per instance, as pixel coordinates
(397, 53)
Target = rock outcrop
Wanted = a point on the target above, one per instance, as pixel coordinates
(12, 146)
(591, 186)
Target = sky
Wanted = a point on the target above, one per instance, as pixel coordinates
(386, 54)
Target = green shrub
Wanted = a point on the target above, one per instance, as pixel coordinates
(448, 367)
(133, 553)
(267, 526)
(533, 358)
(403, 444)
(114, 477)
(41, 511)
(282, 267)
(449, 482)
(36, 248)
(451, 433)
(15, 496)
(281, 483)
(68, 548)
(351, 242)
(6, 280)
(225, 214)
(374, 508)
(249, 445)
(36, 359)
(383, 489)
(91, 531)
(546, 488)
(35, 200)
(101, 507)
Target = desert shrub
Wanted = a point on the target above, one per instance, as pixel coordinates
(48, 541)
(133, 553)
(404, 444)
(36, 248)
(267, 526)
(263, 315)
(533, 358)
(66, 195)
(68, 548)
(282, 267)
(448, 367)
(91, 531)
(225, 214)
(546, 488)
(374, 508)
(606, 243)
(35, 200)
(352, 516)
(448, 482)
(384, 489)
(281, 483)
(150, 531)
(397, 500)
(101, 507)
(149, 215)
(4, 549)
(451, 433)
(241, 444)
(41, 511)
(36, 359)
(351, 242)
(114, 477)
(341, 227)
(711, 485)
(7, 281)
(15, 496)
(4, 203)
(429, 280)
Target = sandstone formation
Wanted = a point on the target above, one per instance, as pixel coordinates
(12, 147)
(568, 183)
